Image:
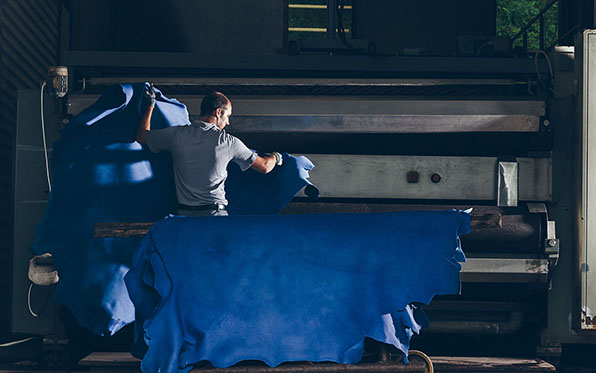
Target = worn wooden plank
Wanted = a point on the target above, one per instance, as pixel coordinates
(489, 364)
(102, 230)
(122, 229)
(100, 362)
(104, 362)
(121, 359)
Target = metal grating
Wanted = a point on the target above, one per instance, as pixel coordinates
(326, 87)
(29, 43)
(423, 91)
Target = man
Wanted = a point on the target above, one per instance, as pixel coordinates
(201, 153)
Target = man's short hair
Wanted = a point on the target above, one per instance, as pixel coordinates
(213, 101)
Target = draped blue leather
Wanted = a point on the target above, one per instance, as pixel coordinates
(289, 287)
(101, 174)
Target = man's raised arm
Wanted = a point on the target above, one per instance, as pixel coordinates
(148, 102)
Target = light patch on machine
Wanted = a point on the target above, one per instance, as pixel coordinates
(127, 91)
(113, 174)
(125, 146)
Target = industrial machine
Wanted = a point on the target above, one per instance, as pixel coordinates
(391, 133)
(378, 149)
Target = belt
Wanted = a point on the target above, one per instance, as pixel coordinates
(213, 206)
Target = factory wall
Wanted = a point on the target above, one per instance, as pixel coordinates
(423, 26)
(246, 27)
(29, 43)
(219, 27)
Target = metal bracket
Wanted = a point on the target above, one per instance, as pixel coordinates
(551, 242)
(537, 208)
(551, 245)
(507, 184)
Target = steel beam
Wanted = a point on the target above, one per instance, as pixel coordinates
(365, 114)
(309, 106)
(374, 123)
(315, 82)
(461, 178)
(307, 64)
(504, 270)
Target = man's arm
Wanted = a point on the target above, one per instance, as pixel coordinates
(144, 125)
(148, 102)
(266, 164)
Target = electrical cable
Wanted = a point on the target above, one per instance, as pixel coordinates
(555, 199)
(550, 69)
(29, 302)
(341, 32)
(43, 134)
(45, 153)
(13, 343)
(550, 66)
(562, 180)
(481, 48)
(45, 304)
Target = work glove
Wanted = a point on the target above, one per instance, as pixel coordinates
(278, 158)
(148, 99)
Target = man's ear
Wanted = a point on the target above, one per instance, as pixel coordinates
(217, 112)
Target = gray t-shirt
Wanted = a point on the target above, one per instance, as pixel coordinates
(200, 153)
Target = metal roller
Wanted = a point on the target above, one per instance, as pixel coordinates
(519, 233)
(519, 230)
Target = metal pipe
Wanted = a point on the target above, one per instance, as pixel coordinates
(525, 41)
(541, 36)
(331, 19)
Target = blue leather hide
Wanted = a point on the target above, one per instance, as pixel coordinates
(101, 174)
(289, 287)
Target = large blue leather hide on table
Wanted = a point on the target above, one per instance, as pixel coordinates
(289, 287)
(101, 174)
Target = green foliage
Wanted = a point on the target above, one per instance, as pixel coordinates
(512, 15)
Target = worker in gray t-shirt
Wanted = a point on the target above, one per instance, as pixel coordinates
(201, 152)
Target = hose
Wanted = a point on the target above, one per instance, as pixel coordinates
(424, 357)
(43, 134)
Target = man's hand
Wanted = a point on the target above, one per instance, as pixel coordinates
(278, 158)
(148, 99)
(267, 163)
